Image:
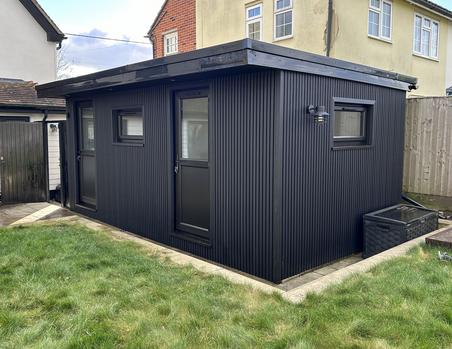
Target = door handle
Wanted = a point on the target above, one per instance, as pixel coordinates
(78, 157)
(176, 168)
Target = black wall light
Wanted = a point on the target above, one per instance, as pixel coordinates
(319, 115)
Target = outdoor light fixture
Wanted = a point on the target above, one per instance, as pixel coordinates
(53, 128)
(318, 113)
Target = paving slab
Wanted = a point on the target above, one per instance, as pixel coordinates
(443, 239)
(37, 215)
(12, 213)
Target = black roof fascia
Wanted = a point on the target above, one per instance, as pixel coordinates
(54, 34)
(433, 7)
(239, 54)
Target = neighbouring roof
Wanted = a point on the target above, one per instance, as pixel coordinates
(22, 94)
(430, 5)
(54, 33)
(242, 55)
(158, 17)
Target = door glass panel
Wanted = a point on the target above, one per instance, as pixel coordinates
(88, 180)
(195, 129)
(87, 115)
(195, 206)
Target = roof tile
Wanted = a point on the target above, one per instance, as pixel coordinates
(23, 93)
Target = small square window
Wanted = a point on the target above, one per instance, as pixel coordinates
(352, 124)
(170, 43)
(128, 125)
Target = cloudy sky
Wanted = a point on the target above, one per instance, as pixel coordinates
(130, 20)
(123, 19)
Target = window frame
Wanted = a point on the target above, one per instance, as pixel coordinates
(279, 12)
(365, 106)
(430, 29)
(353, 108)
(175, 34)
(118, 137)
(255, 19)
(379, 10)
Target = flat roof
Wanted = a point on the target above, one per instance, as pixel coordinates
(240, 55)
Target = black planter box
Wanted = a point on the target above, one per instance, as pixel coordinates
(394, 225)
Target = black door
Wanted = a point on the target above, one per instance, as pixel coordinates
(22, 162)
(86, 155)
(192, 163)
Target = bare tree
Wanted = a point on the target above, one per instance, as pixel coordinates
(64, 65)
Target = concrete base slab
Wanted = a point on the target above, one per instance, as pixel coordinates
(299, 294)
(313, 282)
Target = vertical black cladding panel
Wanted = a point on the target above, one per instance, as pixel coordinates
(325, 191)
(134, 183)
(243, 108)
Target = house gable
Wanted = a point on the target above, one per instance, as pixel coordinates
(54, 34)
(27, 50)
(175, 16)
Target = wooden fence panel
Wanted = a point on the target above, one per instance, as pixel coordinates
(22, 162)
(428, 146)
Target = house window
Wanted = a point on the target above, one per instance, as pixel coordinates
(170, 43)
(128, 125)
(426, 36)
(380, 19)
(283, 19)
(254, 22)
(352, 124)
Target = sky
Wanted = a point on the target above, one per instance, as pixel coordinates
(123, 19)
(445, 3)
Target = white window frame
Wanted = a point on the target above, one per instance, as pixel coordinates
(172, 33)
(379, 10)
(432, 21)
(254, 19)
(281, 11)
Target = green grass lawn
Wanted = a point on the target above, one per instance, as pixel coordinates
(65, 286)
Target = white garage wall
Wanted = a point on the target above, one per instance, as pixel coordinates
(54, 155)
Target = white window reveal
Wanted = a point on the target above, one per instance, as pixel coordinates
(283, 19)
(380, 19)
(254, 22)
(426, 37)
(170, 43)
